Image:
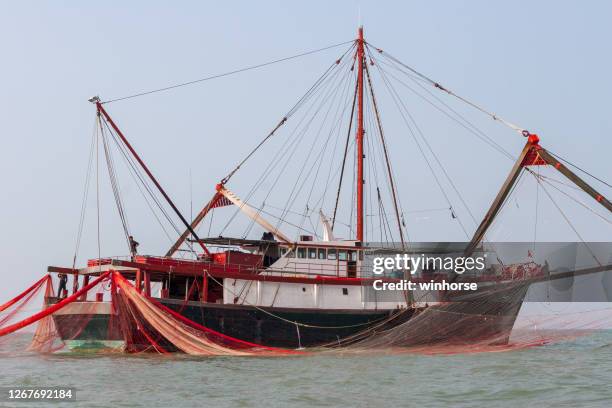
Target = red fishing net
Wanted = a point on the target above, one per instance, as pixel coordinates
(147, 324)
(484, 321)
(488, 321)
(12, 310)
(135, 321)
(47, 337)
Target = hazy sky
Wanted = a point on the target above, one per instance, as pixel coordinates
(544, 65)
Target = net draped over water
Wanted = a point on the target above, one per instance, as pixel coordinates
(466, 322)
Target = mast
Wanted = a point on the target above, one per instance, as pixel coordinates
(360, 134)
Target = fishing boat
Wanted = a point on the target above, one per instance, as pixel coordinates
(313, 288)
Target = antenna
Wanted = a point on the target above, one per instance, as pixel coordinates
(190, 196)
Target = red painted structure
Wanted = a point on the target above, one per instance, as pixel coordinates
(360, 134)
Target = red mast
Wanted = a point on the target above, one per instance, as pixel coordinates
(360, 132)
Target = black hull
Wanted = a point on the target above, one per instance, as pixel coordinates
(273, 327)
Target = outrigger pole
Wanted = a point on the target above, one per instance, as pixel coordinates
(222, 198)
(532, 155)
(196, 221)
(102, 111)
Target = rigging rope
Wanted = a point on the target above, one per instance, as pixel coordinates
(321, 90)
(459, 119)
(576, 167)
(301, 101)
(471, 128)
(384, 145)
(325, 96)
(115, 187)
(346, 146)
(565, 217)
(236, 71)
(141, 182)
(85, 195)
(373, 150)
(547, 181)
(299, 185)
(437, 85)
(335, 126)
(400, 104)
(98, 194)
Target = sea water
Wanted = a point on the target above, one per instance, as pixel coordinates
(575, 373)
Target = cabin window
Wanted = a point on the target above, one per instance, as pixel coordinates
(342, 255)
(312, 253)
(345, 291)
(352, 255)
(301, 253)
(331, 254)
(283, 251)
(321, 252)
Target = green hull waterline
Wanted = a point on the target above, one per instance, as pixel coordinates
(95, 345)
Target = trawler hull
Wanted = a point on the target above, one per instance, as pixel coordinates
(81, 328)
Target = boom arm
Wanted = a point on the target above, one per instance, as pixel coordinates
(196, 221)
(532, 155)
(252, 213)
(550, 159)
(499, 200)
(222, 198)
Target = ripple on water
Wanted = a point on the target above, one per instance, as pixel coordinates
(567, 374)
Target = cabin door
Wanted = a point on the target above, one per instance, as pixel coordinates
(351, 269)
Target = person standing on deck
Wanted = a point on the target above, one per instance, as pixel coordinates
(133, 246)
(62, 290)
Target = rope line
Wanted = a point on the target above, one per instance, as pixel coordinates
(576, 167)
(405, 115)
(85, 195)
(236, 71)
(566, 218)
(448, 91)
